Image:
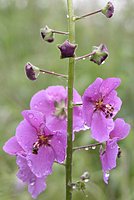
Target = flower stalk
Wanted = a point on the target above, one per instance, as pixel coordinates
(87, 15)
(53, 73)
(87, 147)
(84, 57)
(71, 30)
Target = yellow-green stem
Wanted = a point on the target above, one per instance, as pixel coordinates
(71, 31)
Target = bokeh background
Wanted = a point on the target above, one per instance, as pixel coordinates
(20, 42)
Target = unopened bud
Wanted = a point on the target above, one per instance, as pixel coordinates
(67, 49)
(31, 71)
(108, 10)
(47, 34)
(99, 54)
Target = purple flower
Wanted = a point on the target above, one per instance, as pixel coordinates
(112, 151)
(100, 105)
(53, 103)
(35, 184)
(41, 146)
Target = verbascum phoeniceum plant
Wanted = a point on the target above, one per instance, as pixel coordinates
(47, 132)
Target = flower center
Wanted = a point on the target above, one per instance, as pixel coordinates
(107, 109)
(60, 109)
(42, 140)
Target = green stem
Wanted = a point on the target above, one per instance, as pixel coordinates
(71, 30)
(87, 15)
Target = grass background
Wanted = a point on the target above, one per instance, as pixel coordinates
(20, 42)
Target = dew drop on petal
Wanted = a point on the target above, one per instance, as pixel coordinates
(35, 106)
(30, 115)
(32, 181)
(40, 103)
(107, 174)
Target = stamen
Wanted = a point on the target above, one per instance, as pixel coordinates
(107, 109)
(42, 140)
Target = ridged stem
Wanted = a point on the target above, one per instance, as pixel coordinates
(71, 31)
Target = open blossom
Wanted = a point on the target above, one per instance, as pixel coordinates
(53, 103)
(35, 184)
(100, 105)
(112, 151)
(38, 147)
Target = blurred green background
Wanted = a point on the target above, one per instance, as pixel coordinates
(20, 42)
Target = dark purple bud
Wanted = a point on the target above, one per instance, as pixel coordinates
(99, 54)
(108, 10)
(47, 34)
(31, 71)
(67, 49)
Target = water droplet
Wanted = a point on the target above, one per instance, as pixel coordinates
(40, 103)
(94, 147)
(30, 115)
(103, 62)
(30, 163)
(67, 16)
(32, 181)
(83, 58)
(35, 106)
(107, 174)
(86, 195)
(86, 180)
(73, 187)
(87, 148)
(35, 119)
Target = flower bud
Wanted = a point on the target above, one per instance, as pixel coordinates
(99, 54)
(67, 49)
(47, 34)
(108, 10)
(31, 71)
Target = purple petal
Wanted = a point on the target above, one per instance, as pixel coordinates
(108, 85)
(26, 136)
(113, 100)
(92, 94)
(108, 157)
(121, 129)
(44, 100)
(58, 144)
(12, 147)
(76, 97)
(78, 119)
(88, 110)
(106, 177)
(101, 127)
(41, 163)
(38, 187)
(56, 124)
(41, 102)
(35, 185)
(35, 118)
